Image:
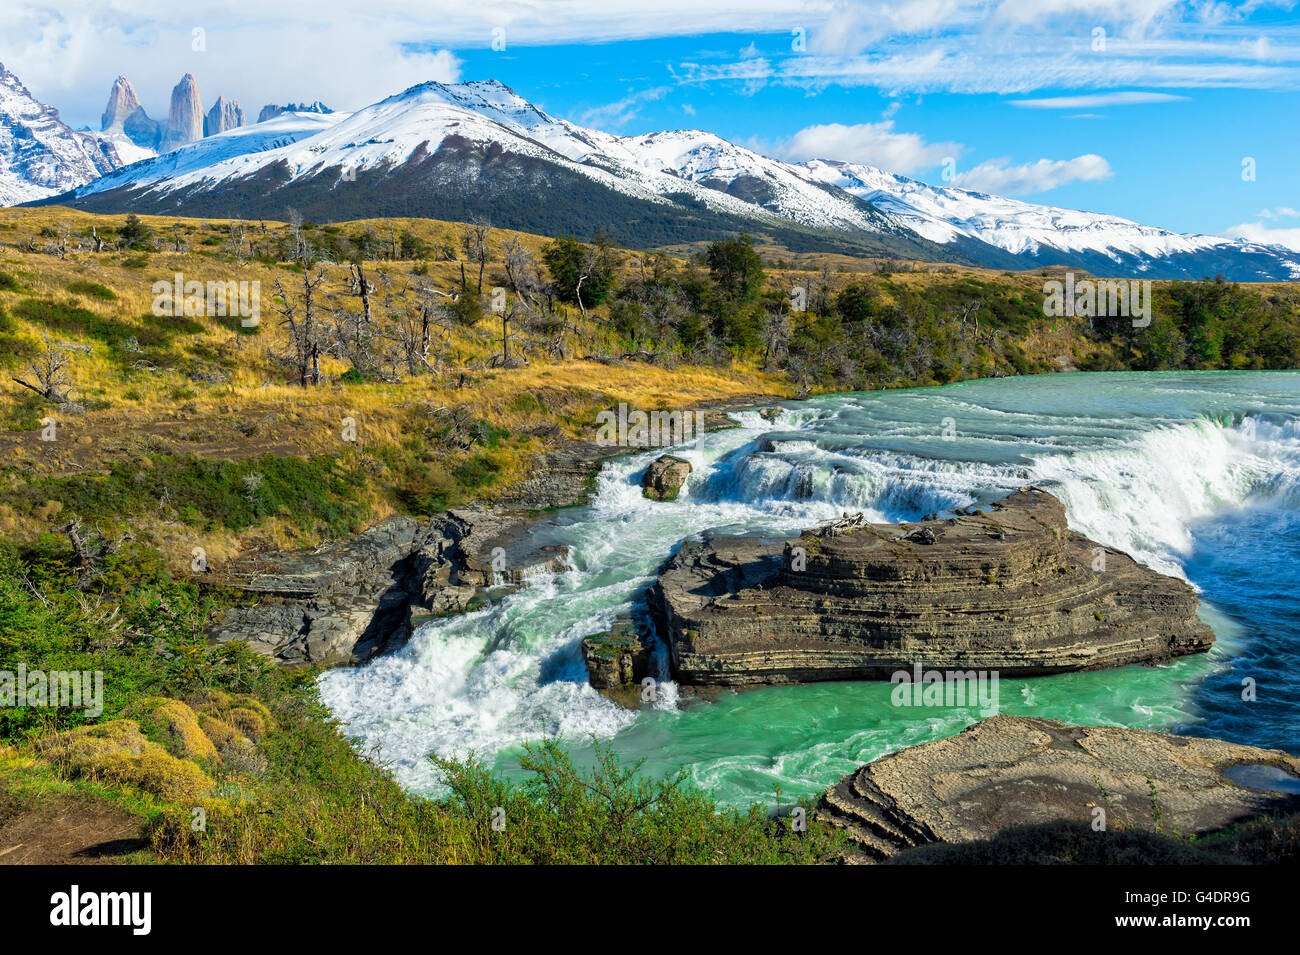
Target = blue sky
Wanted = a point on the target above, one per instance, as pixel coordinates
(1149, 109)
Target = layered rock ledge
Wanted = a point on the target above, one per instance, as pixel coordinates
(1010, 589)
(346, 601)
(1014, 770)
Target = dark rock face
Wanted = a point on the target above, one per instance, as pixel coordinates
(616, 661)
(345, 602)
(1011, 590)
(1015, 770)
(225, 114)
(142, 130)
(185, 121)
(664, 478)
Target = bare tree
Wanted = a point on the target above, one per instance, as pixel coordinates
(238, 240)
(474, 241)
(301, 251)
(507, 315)
(354, 331)
(304, 330)
(776, 335)
(522, 274)
(90, 551)
(49, 370)
(412, 330)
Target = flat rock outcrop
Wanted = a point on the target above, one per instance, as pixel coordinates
(346, 601)
(1011, 589)
(664, 478)
(1015, 770)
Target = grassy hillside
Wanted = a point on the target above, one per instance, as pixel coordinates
(409, 393)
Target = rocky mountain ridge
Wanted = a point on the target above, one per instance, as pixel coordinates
(412, 153)
(40, 155)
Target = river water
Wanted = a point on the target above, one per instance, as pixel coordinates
(1194, 474)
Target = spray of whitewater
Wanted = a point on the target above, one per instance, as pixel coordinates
(1136, 471)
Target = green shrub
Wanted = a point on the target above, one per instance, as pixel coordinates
(93, 290)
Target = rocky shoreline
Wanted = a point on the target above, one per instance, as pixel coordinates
(1014, 770)
(1008, 588)
(347, 601)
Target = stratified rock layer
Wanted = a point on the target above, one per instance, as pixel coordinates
(349, 600)
(1015, 770)
(1011, 589)
(616, 660)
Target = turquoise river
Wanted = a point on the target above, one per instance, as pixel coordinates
(1194, 474)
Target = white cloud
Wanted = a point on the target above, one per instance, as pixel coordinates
(997, 176)
(1280, 212)
(1092, 100)
(618, 113)
(346, 57)
(351, 54)
(1258, 232)
(876, 144)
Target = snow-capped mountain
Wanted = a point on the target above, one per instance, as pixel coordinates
(479, 150)
(1047, 234)
(39, 155)
(241, 147)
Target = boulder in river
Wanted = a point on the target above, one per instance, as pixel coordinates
(664, 478)
(1017, 770)
(1010, 590)
(617, 662)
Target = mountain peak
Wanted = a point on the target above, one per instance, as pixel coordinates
(185, 120)
(122, 102)
(39, 155)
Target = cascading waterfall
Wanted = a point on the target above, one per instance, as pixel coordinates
(1190, 473)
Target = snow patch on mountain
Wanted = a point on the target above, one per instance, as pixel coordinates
(230, 152)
